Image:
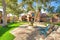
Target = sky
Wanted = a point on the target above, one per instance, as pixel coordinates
(19, 1)
(52, 3)
(55, 4)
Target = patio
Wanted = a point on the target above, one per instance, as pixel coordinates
(26, 33)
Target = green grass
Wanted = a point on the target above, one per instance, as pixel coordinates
(58, 24)
(5, 31)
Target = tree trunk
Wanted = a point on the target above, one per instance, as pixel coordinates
(36, 11)
(4, 15)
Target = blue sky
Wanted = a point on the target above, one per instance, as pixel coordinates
(19, 1)
(56, 4)
(52, 3)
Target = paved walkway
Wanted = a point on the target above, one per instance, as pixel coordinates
(55, 35)
(39, 24)
(21, 33)
(25, 33)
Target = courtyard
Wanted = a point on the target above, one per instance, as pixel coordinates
(29, 19)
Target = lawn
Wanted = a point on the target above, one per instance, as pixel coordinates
(5, 31)
(58, 24)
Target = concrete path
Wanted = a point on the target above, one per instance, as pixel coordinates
(55, 35)
(25, 33)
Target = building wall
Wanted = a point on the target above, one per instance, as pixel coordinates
(0, 17)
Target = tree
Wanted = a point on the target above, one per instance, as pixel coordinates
(4, 15)
(9, 4)
(58, 9)
(50, 9)
(38, 6)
